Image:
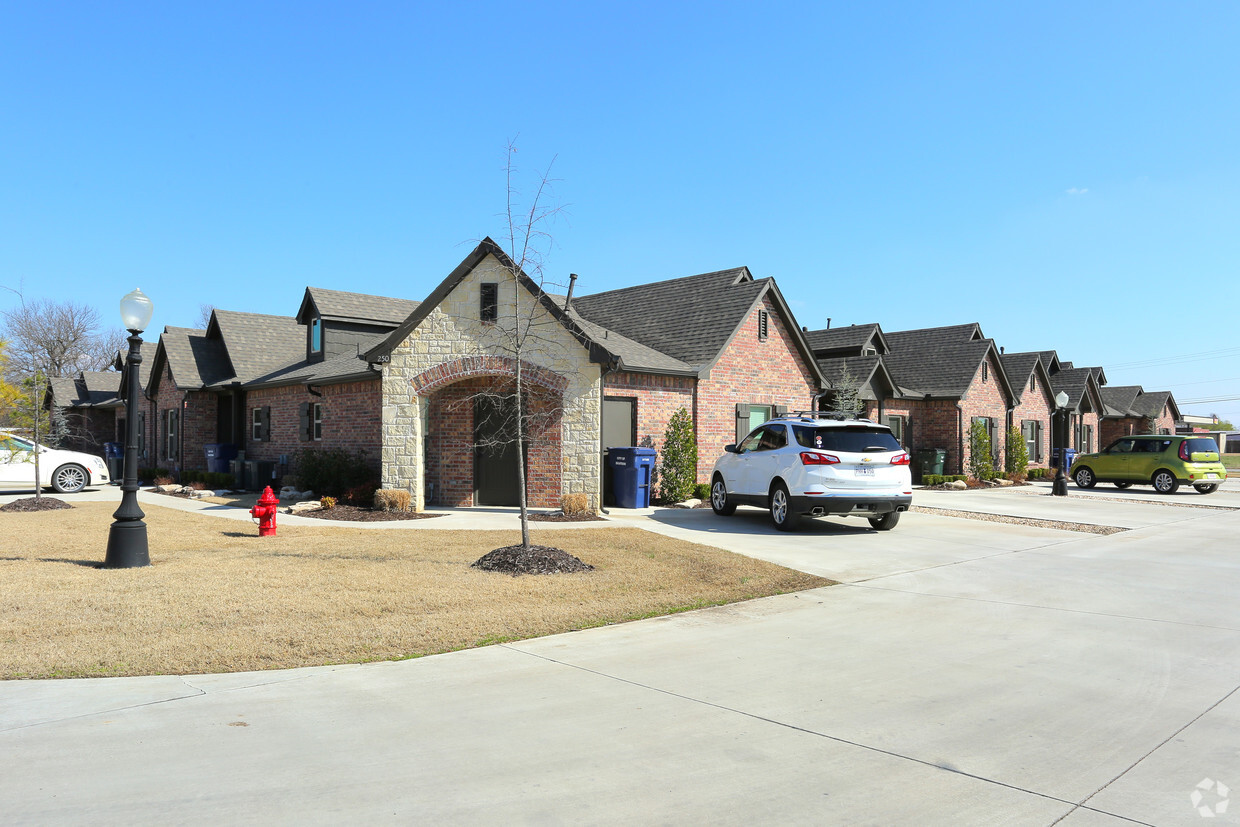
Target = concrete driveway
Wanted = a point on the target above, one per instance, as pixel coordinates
(966, 673)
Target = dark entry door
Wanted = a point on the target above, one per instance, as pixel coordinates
(495, 452)
(619, 431)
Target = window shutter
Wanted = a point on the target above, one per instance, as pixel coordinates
(304, 426)
(265, 424)
(742, 420)
(174, 433)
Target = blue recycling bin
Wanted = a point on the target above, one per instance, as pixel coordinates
(1069, 457)
(219, 455)
(631, 469)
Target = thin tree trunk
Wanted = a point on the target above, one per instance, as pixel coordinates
(525, 515)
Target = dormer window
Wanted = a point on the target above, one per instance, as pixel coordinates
(488, 305)
(316, 335)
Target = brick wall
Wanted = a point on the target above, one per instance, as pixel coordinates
(197, 426)
(986, 398)
(351, 420)
(1113, 429)
(449, 461)
(1037, 405)
(658, 397)
(929, 423)
(750, 371)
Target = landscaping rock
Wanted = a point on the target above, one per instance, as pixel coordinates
(1002, 482)
(303, 506)
(959, 485)
(197, 494)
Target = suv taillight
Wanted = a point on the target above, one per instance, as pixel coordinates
(811, 458)
(1184, 450)
(900, 459)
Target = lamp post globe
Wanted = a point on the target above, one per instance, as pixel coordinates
(1059, 487)
(127, 543)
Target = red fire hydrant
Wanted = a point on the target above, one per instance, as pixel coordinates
(265, 512)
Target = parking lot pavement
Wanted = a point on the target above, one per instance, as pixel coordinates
(968, 673)
(1100, 509)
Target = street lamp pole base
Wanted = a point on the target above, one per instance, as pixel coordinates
(1059, 488)
(127, 548)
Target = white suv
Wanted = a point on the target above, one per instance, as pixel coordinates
(815, 464)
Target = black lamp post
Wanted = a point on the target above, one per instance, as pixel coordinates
(1059, 488)
(127, 548)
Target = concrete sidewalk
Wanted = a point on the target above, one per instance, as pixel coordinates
(1060, 678)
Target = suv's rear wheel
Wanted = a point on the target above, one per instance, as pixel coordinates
(885, 522)
(781, 509)
(1165, 482)
(719, 498)
(1084, 478)
(1206, 487)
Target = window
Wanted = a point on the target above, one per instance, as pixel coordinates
(854, 439)
(749, 417)
(318, 420)
(488, 310)
(171, 432)
(256, 424)
(1084, 438)
(763, 322)
(896, 424)
(316, 335)
(1031, 431)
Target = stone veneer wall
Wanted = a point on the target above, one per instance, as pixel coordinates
(453, 333)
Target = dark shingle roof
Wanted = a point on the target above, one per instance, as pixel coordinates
(195, 360)
(1120, 398)
(868, 371)
(350, 365)
(359, 307)
(851, 339)
(1151, 404)
(633, 355)
(1019, 367)
(1051, 360)
(258, 344)
(933, 337)
(689, 319)
(942, 369)
(1074, 382)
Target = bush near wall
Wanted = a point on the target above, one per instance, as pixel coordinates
(210, 479)
(336, 472)
(939, 479)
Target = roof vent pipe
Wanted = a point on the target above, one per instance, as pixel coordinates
(572, 282)
(828, 323)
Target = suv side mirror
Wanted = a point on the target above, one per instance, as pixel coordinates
(730, 448)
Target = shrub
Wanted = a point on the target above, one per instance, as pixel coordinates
(702, 491)
(1016, 458)
(153, 473)
(981, 461)
(219, 479)
(163, 480)
(198, 486)
(327, 502)
(575, 505)
(392, 499)
(361, 495)
(335, 471)
(678, 468)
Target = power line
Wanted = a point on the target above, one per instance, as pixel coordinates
(1187, 357)
(1207, 401)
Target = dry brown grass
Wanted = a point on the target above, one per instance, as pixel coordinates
(217, 598)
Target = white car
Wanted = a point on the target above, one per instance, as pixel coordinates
(65, 471)
(809, 464)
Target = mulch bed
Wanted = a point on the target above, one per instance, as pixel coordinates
(32, 504)
(515, 560)
(557, 517)
(355, 514)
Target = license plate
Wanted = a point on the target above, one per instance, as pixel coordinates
(865, 471)
(1211, 476)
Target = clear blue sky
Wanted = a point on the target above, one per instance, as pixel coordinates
(1066, 174)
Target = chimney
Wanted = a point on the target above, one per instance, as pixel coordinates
(572, 282)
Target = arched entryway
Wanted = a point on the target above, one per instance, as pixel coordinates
(469, 446)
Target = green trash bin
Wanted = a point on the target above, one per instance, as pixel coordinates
(929, 461)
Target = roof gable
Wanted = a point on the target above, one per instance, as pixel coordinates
(851, 340)
(947, 369)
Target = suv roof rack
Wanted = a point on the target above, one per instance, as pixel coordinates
(835, 416)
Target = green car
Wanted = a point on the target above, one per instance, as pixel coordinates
(1161, 461)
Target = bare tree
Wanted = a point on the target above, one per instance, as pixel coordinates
(204, 315)
(521, 409)
(46, 340)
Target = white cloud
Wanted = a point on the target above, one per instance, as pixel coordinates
(1076, 190)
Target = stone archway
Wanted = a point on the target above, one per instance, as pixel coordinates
(453, 463)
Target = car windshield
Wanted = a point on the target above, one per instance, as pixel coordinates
(8, 442)
(851, 439)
